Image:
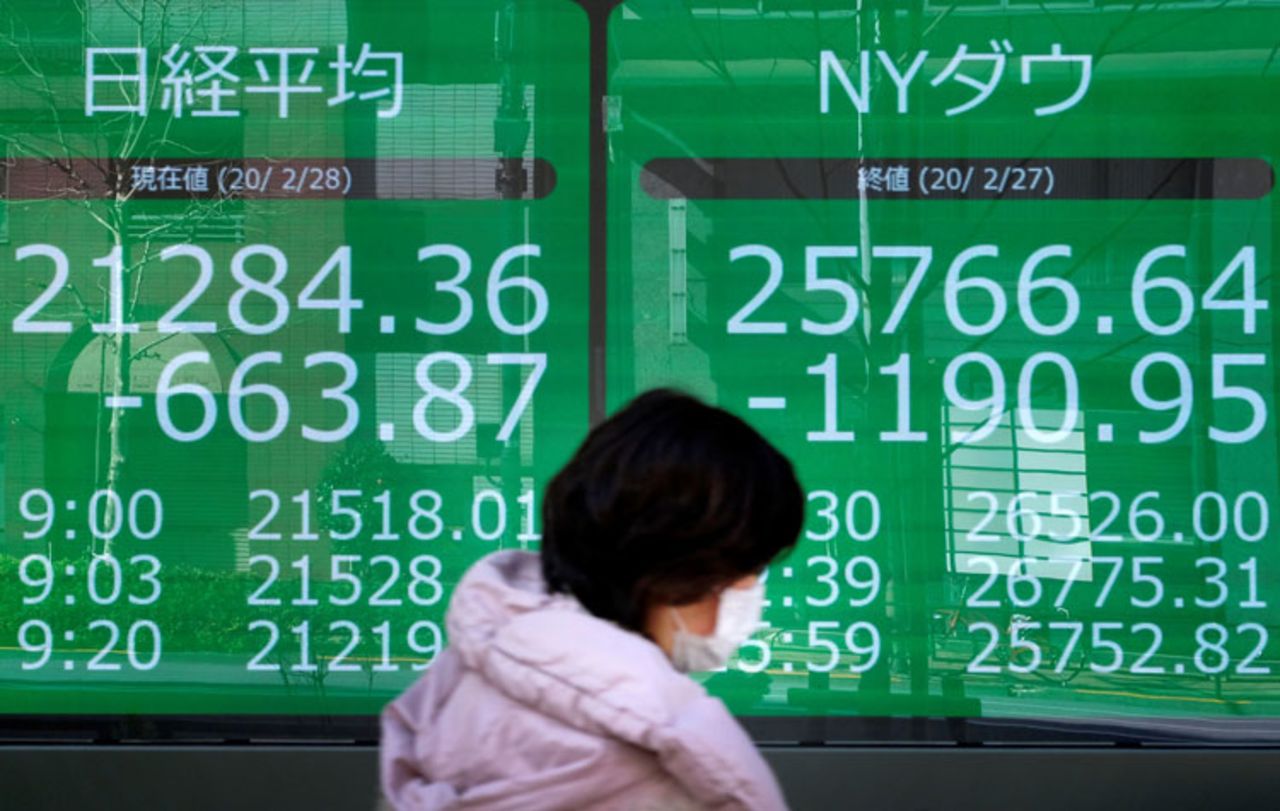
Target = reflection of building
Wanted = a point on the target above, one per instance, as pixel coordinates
(444, 145)
(455, 125)
(56, 385)
(697, 83)
(398, 392)
(76, 439)
(1010, 498)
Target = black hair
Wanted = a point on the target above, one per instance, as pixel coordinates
(666, 501)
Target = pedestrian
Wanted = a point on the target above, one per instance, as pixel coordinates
(564, 681)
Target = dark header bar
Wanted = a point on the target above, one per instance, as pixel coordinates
(958, 178)
(488, 178)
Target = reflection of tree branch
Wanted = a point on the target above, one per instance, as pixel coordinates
(67, 165)
(59, 151)
(145, 350)
(38, 73)
(154, 83)
(84, 307)
(124, 138)
(137, 18)
(186, 219)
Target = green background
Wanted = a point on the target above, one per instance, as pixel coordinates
(741, 80)
(469, 94)
(684, 80)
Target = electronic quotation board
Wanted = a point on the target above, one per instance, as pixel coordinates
(301, 318)
(999, 278)
(295, 328)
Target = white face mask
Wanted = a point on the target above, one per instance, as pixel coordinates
(736, 619)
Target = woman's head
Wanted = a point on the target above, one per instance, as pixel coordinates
(666, 502)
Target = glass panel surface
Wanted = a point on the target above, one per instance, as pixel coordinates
(295, 330)
(998, 277)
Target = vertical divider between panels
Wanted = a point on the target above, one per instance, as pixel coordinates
(597, 248)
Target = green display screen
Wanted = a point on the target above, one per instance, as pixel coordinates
(998, 278)
(295, 329)
(303, 310)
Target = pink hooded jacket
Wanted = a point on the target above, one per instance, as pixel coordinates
(537, 704)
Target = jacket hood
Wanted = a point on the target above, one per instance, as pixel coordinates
(504, 625)
(547, 654)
